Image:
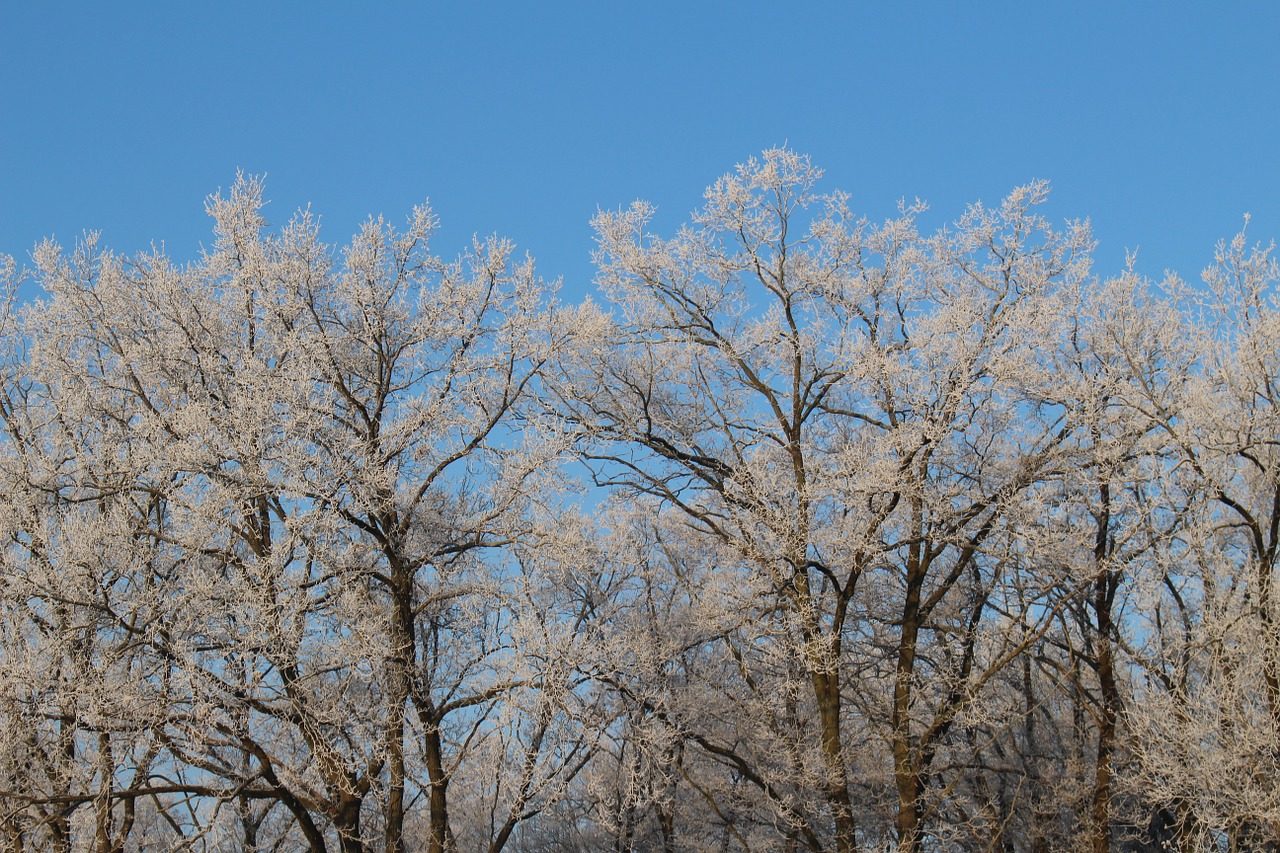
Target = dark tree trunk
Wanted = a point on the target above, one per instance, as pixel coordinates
(439, 839)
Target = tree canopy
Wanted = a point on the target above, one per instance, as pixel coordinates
(810, 533)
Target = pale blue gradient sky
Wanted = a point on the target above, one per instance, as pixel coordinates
(1157, 120)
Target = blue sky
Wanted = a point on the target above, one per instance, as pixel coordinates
(1159, 121)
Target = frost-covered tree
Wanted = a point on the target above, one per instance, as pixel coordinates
(1208, 718)
(839, 410)
(813, 534)
(300, 474)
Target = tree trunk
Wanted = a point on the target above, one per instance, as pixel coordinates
(402, 655)
(347, 823)
(906, 771)
(1101, 811)
(1105, 585)
(824, 678)
(826, 689)
(439, 839)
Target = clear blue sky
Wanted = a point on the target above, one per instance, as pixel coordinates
(1158, 120)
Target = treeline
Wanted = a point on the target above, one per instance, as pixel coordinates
(812, 534)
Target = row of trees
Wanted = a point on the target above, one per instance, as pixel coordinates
(820, 534)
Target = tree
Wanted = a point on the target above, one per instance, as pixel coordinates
(820, 534)
(307, 466)
(832, 406)
(1209, 724)
(1124, 360)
